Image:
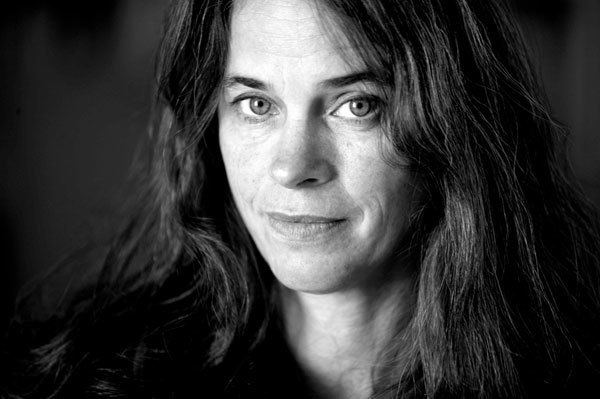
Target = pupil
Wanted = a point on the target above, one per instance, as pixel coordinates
(259, 106)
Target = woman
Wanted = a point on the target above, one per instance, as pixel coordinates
(345, 199)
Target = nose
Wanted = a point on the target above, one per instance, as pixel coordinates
(302, 157)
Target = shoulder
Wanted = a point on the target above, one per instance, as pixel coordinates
(134, 346)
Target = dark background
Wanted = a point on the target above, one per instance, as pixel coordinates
(76, 83)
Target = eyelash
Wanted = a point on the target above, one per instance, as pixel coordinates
(374, 101)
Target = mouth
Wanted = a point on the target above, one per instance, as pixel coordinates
(306, 219)
(305, 227)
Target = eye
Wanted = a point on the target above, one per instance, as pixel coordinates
(357, 108)
(255, 106)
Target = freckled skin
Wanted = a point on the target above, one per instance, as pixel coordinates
(304, 159)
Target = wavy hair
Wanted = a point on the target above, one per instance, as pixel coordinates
(507, 246)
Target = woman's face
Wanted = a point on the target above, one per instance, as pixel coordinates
(302, 146)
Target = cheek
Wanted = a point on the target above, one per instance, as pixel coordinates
(371, 181)
(384, 193)
(240, 165)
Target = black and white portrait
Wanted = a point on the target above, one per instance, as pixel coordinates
(329, 199)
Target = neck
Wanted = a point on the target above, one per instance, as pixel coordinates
(337, 337)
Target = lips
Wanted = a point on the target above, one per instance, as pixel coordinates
(305, 227)
(307, 219)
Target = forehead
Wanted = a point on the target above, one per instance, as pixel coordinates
(272, 33)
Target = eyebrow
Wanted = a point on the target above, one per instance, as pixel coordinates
(230, 81)
(347, 80)
(337, 82)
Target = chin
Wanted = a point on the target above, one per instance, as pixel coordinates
(315, 274)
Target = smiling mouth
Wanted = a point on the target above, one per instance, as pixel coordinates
(304, 227)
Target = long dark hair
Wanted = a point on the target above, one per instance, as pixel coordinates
(507, 247)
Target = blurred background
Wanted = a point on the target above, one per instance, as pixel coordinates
(76, 82)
